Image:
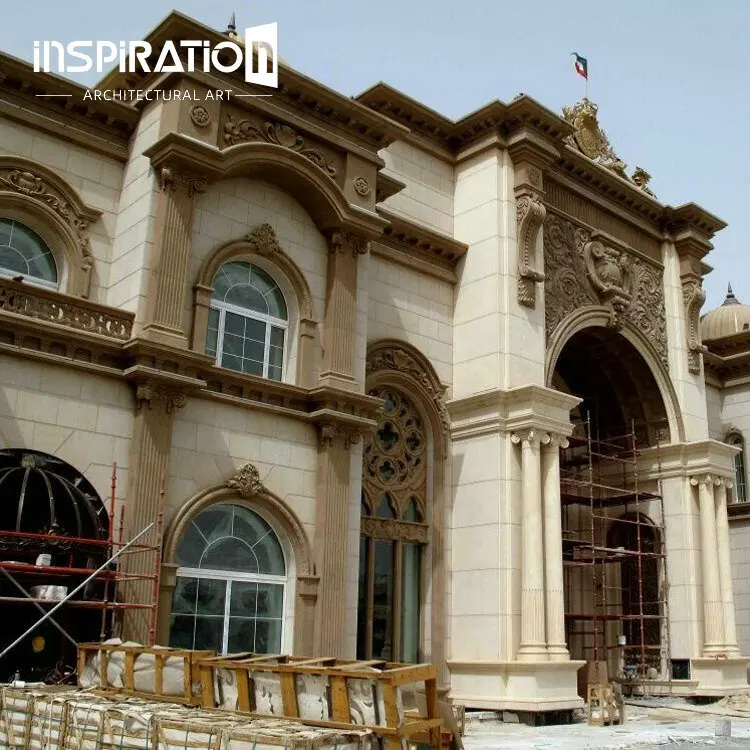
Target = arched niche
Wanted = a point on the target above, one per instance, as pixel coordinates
(36, 196)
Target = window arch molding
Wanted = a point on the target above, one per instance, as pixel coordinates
(261, 248)
(34, 195)
(245, 489)
(395, 363)
(736, 439)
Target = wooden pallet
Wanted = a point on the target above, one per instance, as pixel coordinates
(340, 681)
(605, 706)
(105, 652)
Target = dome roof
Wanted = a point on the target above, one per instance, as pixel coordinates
(731, 317)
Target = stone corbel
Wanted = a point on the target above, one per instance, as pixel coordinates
(693, 296)
(148, 393)
(530, 215)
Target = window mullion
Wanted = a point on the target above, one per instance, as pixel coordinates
(220, 337)
(266, 350)
(225, 633)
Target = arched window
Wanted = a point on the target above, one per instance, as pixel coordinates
(740, 485)
(24, 253)
(393, 532)
(231, 584)
(247, 321)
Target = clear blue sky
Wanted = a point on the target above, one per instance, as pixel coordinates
(670, 76)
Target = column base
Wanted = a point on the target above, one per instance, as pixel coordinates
(338, 381)
(558, 653)
(719, 676)
(163, 335)
(533, 652)
(528, 686)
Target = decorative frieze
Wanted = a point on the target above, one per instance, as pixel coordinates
(585, 268)
(245, 131)
(386, 528)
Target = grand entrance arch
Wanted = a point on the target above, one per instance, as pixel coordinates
(613, 550)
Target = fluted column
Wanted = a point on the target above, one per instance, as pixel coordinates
(151, 447)
(331, 534)
(339, 331)
(713, 630)
(533, 645)
(174, 225)
(725, 565)
(553, 567)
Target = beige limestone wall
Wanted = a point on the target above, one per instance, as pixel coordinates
(80, 418)
(411, 306)
(132, 249)
(714, 409)
(95, 178)
(739, 544)
(428, 196)
(230, 209)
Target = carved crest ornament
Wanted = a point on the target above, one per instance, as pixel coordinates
(585, 268)
(247, 482)
(592, 141)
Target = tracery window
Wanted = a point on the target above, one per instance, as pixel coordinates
(24, 253)
(740, 485)
(231, 584)
(247, 321)
(393, 532)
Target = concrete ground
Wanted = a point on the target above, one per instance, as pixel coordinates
(650, 724)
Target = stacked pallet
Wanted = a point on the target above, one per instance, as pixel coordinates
(70, 719)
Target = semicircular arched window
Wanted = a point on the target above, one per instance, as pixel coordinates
(247, 321)
(231, 583)
(24, 253)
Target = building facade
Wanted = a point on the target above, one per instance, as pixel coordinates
(369, 362)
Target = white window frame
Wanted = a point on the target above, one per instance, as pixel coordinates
(269, 320)
(7, 273)
(228, 577)
(737, 440)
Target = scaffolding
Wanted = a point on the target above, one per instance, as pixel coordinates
(614, 560)
(88, 586)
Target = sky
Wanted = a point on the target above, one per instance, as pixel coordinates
(670, 77)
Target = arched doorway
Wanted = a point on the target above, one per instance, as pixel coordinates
(613, 553)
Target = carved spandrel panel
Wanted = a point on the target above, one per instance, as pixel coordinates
(583, 269)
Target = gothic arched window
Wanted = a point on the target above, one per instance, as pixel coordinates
(393, 532)
(740, 485)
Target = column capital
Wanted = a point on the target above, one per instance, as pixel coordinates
(709, 480)
(149, 392)
(170, 179)
(532, 436)
(557, 440)
(341, 241)
(329, 432)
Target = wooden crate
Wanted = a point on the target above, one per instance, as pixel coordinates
(605, 707)
(274, 686)
(128, 682)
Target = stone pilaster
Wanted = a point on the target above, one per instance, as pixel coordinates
(339, 330)
(152, 443)
(331, 533)
(174, 224)
(713, 614)
(553, 567)
(533, 645)
(725, 567)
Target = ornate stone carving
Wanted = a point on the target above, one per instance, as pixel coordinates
(530, 213)
(200, 116)
(29, 183)
(40, 304)
(346, 242)
(694, 296)
(247, 482)
(532, 435)
(362, 186)
(385, 528)
(393, 357)
(592, 141)
(243, 131)
(327, 434)
(263, 239)
(170, 180)
(584, 269)
(149, 392)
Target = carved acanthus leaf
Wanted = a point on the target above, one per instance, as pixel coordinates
(263, 239)
(530, 213)
(243, 131)
(694, 296)
(247, 482)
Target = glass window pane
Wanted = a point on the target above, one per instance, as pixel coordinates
(208, 633)
(12, 260)
(253, 350)
(231, 362)
(251, 367)
(277, 337)
(382, 616)
(244, 295)
(191, 547)
(26, 252)
(230, 554)
(215, 522)
(181, 631)
(244, 600)
(274, 372)
(241, 635)
(5, 230)
(384, 509)
(255, 330)
(270, 556)
(267, 636)
(211, 595)
(228, 276)
(362, 600)
(249, 526)
(410, 574)
(212, 334)
(234, 323)
(411, 511)
(184, 596)
(270, 600)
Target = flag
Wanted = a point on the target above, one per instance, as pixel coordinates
(581, 65)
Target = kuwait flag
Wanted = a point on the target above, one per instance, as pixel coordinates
(582, 66)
